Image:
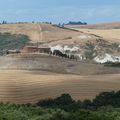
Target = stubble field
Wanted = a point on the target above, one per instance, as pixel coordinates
(29, 87)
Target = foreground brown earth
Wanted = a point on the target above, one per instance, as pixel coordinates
(30, 86)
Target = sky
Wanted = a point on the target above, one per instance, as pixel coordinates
(90, 11)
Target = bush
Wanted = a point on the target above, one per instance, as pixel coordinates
(110, 64)
(89, 52)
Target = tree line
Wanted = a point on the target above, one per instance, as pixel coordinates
(106, 106)
(66, 102)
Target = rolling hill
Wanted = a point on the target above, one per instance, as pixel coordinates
(38, 32)
(29, 77)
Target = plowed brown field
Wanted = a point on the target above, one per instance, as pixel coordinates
(29, 87)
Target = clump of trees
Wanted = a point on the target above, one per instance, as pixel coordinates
(111, 64)
(77, 23)
(61, 25)
(106, 106)
(89, 51)
(4, 22)
(68, 104)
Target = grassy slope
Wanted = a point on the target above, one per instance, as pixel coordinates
(46, 33)
(31, 30)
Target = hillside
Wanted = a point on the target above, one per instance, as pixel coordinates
(28, 77)
(46, 33)
(73, 43)
(38, 32)
(111, 35)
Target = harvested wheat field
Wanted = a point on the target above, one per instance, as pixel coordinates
(112, 35)
(29, 86)
(108, 31)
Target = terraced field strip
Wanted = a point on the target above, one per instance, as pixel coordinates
(27, 87)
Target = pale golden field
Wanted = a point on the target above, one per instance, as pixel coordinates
(108, 31)
(112, 35)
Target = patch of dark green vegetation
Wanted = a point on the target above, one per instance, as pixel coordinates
(67, 38)
(12, 41)
(76, 23)
(106, 106)
(110, 64)
(107, 45)
(95, 34)
(101, 46)
(117, 27)
(70, 29)
(90, 52)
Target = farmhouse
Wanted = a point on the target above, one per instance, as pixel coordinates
(44, 50)
(40, 49)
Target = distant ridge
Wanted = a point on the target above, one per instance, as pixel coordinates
(111, 25)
